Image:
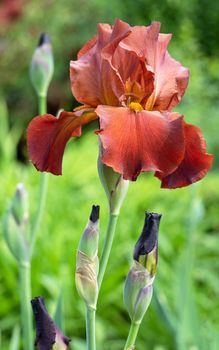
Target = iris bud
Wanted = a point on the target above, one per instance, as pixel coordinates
(139, 282)
(16, 225)
(48, 336)
(114, 185)
(87, 262)
(42, 66)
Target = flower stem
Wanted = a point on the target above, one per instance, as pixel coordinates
(107, 246)
(133, 332)
(90, 328)
(43, 187)
(25, 297)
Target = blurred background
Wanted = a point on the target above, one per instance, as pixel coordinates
(184, 313)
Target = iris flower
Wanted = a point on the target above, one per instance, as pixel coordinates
(125, 78)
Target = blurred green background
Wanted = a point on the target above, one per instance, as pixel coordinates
(184, 313)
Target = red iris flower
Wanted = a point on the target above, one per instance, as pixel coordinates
(125, 77)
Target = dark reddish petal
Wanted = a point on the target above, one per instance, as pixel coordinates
(171, 79)
(92, 79)
(87, 47)
(47, 137)
(133, 142)
(196, 162)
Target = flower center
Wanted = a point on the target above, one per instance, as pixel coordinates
(135, 106)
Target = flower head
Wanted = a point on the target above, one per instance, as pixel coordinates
(125, 77)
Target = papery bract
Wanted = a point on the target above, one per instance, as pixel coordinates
(125, 77)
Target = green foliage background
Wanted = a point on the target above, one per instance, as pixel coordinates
(187, 278)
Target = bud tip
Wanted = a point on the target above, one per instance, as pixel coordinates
(94, 216)
(44, 39)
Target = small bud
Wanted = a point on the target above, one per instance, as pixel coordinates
(114, 185)
(48, 336)
(89, 240)
(42, 66)
(146, 247)
(139, 282)
(87, 263)
(16, 225)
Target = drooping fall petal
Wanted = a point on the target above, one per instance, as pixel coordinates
(140, 141)
(196, 162)
(47, 137)
(171, 79)
(91, 75)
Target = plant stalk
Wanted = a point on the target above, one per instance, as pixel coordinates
(133, 332)
(90, 328)
(107, 246)
(43, 187)
(26, 315)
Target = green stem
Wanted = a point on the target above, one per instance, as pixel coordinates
(43, 188)
(90, 328)
(107, 246)
(26, 315)
(133, 332)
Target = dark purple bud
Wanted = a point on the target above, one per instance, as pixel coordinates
(47, 334)
(94, 216)
(44, 39)
(148, 238)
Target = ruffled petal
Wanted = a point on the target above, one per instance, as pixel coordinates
(133, 142)
(47, 137)
(171, 79)
(196, 162)
(92, 78)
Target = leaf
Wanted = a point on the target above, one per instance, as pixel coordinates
(14, 343)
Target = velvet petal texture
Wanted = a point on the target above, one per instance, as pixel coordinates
(47, 137)
(171, 79)
(133, 142)
(196, 162)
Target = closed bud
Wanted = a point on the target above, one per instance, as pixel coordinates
(16, 225)
(87, 263)
(139, 282)
(114, 185)
(48, 336)
(89, 240)
(145, 251)
(42, 66)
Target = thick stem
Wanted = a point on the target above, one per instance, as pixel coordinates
(133, 332)
(107, 246)
(26, 314)
(90, 328)
(43, 188)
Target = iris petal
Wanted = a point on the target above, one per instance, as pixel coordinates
(47, 137)
(133, 142)
(195, 164)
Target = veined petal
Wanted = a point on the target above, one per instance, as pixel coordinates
(47, 137)
(195, 164)
(92, 77)
(133, 142)
(171, 79)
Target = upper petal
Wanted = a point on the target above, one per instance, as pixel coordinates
(47, 137)
(92, 77)
(170, 78)
(195, 164)
(133, 142)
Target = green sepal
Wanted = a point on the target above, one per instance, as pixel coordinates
(86, 278)
(114, 185)
(137, 291)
